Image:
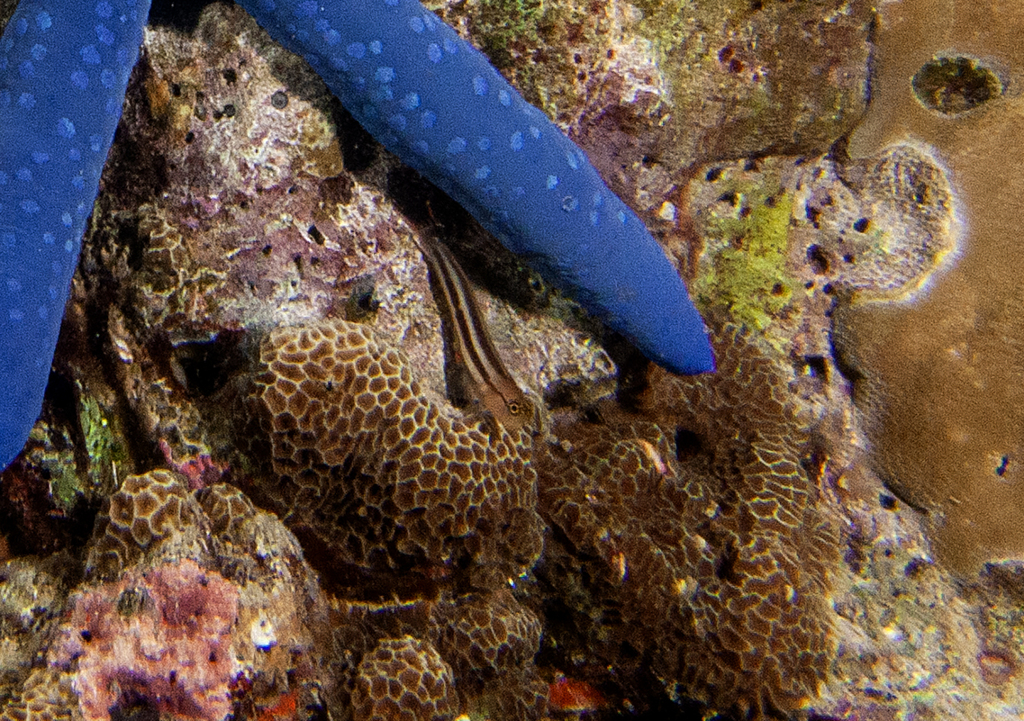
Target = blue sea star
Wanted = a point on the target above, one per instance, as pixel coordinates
(427, 95)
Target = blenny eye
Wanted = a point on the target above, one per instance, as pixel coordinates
(514, 408)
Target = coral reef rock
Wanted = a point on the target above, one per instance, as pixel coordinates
(378, 473)
(174, 620)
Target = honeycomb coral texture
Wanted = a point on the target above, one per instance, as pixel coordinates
(146, 510)
(376, 471)
(711, 562)
(405, 680)
(488, 635)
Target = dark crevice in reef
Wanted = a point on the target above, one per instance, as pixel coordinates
(182, 15)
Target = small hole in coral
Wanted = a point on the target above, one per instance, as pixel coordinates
(362, 302)
(230, 110)
(920, 194)
(818, 260)
(279, 100)
(914, 567)
(848, 258)
(997, 666)
(316, 235)
(955, 85)
(725, 565)
(815, 366)
(230, 76)
(133, 706)
(887, 502)
(688, 444)
(1003, 465)
(713, 175)
(190, 136)
(86, 635)
(862, 225)
(207, 366)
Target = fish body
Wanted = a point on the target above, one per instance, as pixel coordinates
(485, 377)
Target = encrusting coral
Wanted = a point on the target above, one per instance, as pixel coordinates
(696, 543)
(938, 378)
(148, 514)
(490, 640)
(710, 561)
(159, 638)
(379, 474)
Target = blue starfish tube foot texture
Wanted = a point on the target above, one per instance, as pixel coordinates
(64, 68)
(426, 94)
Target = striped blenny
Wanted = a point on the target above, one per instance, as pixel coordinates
(486, 379)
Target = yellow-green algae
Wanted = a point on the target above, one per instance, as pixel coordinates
(743, 270)
(104, 447)
(939, 378)
(536, 44)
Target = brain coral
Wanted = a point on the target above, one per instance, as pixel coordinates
(697, 542)
(47, 695)
(378, 473)
(490, 641)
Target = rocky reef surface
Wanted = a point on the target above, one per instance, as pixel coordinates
(251, 494)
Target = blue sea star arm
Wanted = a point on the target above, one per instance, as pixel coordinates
(64, 67)
(427, 95)
(437, 103)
